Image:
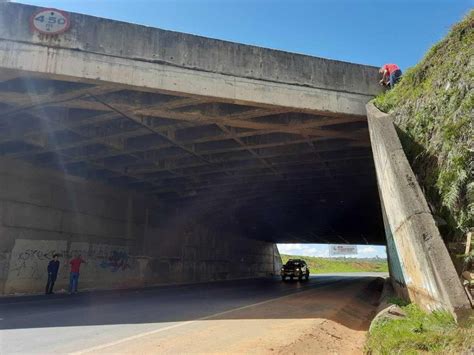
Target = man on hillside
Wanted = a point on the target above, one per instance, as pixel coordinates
(74, 276)
(391, 74)
(53, 268)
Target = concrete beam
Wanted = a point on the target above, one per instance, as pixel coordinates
(348, 165)
(64, 123)
(250, 150)
(203, 55)
(68, 63)
(170, 62)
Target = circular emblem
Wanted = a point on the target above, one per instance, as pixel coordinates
(50, 21)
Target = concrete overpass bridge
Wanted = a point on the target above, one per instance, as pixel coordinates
(167, 157)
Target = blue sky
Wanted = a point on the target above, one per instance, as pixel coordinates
(361, 31)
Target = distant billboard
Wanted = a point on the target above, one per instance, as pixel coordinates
(342, 249)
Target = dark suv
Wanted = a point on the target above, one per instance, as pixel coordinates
(295, 268)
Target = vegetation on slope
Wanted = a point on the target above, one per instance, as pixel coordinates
(419, 332)
(327, 265)
(433, 107)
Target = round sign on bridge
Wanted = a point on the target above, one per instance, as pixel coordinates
(50, 21)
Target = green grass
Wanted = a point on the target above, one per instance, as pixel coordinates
(432, 107)
(327, 265)
(419, 333)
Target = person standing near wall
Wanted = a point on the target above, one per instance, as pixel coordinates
(74, 276)
(53, 268)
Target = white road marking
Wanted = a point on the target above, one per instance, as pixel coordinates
(151, 332)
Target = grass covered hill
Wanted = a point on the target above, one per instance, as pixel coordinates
(433, 108)
(420, 333)
(327, 265)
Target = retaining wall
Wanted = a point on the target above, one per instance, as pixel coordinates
(420, 266)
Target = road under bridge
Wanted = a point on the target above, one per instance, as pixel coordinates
(329, 313)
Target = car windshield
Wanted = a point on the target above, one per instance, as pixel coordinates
(293, 263)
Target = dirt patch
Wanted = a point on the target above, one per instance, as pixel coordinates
(328, 337)
(333, 335)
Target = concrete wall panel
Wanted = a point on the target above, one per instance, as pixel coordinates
(16, 214)
(24, 190)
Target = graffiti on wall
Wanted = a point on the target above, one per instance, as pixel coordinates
(78, 248)
(27, 264)
(117, 261)
(29, 259)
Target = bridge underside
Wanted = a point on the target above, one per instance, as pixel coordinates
(163, 157)
(280, 174)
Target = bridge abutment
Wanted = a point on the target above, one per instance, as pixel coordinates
(127, 239)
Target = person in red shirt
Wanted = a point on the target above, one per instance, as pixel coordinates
(74, 275)
(391, 74)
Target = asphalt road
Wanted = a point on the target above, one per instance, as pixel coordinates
(115, 320)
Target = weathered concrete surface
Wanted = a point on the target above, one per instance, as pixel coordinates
(420, 263)
(126, 240)
(152, 58)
